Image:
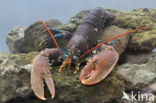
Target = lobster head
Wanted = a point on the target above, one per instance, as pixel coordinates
(75, 46)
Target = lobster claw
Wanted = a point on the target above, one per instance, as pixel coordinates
(99, 66)
(40, 71)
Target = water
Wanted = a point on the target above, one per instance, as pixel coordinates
(26, 12)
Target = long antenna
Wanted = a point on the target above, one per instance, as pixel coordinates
(51, 36)
(112, 39)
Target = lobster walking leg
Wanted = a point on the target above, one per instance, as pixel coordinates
(41, 69)
(99, 66)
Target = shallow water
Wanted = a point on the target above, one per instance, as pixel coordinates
(26, 12)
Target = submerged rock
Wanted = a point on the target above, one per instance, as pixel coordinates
(14, 76)
(75, 21)
(15, 83)
(113, 31)
(139, 73)
(141, 40)
(14, 39)
(36, 33)
(24, 40)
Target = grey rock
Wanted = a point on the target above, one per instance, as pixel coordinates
(15, 83)
(139, 58)
(14, 80)
(22, 40)
(139, 73)
(113, 31)
(14, 38)
(36, 33)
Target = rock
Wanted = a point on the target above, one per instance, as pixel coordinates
(14, 80)
(139, 73)
(37, 33)
(141, 40)
(113, 31)
(150, 88)
(14, 76)
(26, 40)
(14, 38)
(75, 21)
(15, 83)
(138, 58)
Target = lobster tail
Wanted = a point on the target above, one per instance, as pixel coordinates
(98, 18)
(85, 36)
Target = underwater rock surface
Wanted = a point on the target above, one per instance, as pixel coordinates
(139, 73)
(14, 76)
(15, 83)
(24, 40)
(136, 69)
(14, 39)
(140, 41)
(112, 31)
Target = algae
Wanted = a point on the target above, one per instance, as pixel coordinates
(23, 59)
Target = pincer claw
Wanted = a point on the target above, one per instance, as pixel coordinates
(99, 66)
(40, 71)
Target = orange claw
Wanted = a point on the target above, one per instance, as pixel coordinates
(99, 66)
(41, 70)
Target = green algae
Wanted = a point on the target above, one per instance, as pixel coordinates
(23, 59)
(141, 40)
(136, 19)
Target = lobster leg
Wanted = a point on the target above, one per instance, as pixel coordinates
(99, 66)
(109, 43)
(41, 69)
(58, 34)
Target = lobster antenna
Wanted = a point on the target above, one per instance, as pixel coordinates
(51, 36)
(68, 68)
(145, 28)
(64, 64)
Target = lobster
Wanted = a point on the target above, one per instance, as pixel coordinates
(101, 57)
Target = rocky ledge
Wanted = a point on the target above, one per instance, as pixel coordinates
(135, 71)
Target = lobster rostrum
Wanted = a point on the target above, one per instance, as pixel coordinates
(101, 60)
